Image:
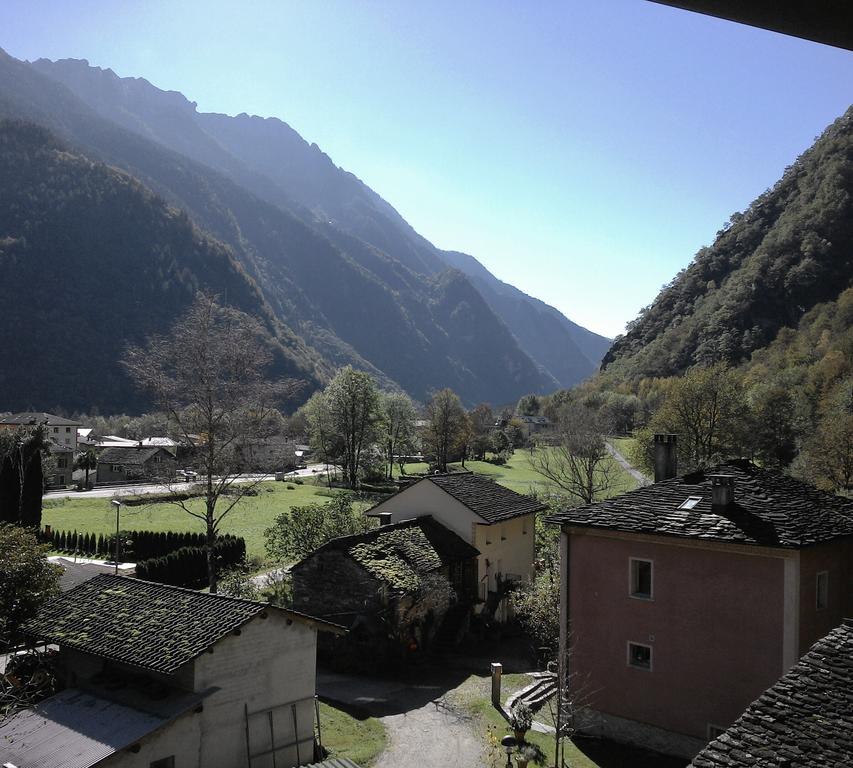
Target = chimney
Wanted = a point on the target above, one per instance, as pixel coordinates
(722, 490)
(384, 518)
(666, 457)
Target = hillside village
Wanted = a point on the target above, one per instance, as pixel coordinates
(324, 495)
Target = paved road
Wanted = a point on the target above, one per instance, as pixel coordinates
(623, 462)
(114, 491)
(424, 731)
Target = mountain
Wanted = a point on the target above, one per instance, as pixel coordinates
(790, 253)
(356, 305)
(90, 261)
(271, 160)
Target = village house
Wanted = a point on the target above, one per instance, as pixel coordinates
(683, 600)
(804, 719)
(61, 437)
(391, 584)
(161, 677)
(496, 521)
(135, 462)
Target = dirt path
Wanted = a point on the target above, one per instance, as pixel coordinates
(431, 737)
(623, 462)
(424, 730)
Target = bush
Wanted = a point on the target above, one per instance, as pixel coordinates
(187, 566)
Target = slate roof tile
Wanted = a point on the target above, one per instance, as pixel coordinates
(129, 455)
(769, 509)
(805, 719)
(484, 497)
(400, 553)
(148, 625)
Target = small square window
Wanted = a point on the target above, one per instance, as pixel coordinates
(68, 429)
(690, 502)
(822, 590)
(164, 762)
(641, 578)
(640, 656)
(56, 430)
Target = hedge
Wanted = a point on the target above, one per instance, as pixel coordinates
(133, 545)
(187, 566)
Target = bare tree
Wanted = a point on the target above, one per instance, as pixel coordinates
(398, 427)
(445, 426)
(208, 374)
(577, 462)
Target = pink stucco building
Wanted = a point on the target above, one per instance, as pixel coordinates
(683, 600)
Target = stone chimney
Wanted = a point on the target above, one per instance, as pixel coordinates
(666, 457)
(722, 490)
(385, 518)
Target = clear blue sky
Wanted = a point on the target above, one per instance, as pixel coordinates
(583, 151)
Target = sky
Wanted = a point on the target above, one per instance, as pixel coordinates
(582, 151)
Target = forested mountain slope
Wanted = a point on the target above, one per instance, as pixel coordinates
(790, 251)
(399, 325)
(91, 261)
(274, 162)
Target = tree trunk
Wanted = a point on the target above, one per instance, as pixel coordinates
(211, 564)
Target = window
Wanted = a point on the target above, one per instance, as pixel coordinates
(640, 656)
(641, 578)
(690, 502)
(163, 762)
(61, 463)
(116, 468)
(68, 429)
(56, 430)
(822, 590)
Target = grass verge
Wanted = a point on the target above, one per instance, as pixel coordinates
(361, 740)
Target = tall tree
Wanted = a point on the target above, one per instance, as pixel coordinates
(21, 475)
(707, 409)
(529, 405)
(352, 400)
(445, 418)
(27, 579)
(87, 461)
(482, 422)
(398, 427)
(578, 461)
(208, 374)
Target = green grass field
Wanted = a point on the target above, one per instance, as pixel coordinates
(361, 740)
(250, 517)
(519, 475)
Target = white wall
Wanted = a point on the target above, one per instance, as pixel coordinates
(511, 543)
(426, 498)
(509, 548)
(270, 663)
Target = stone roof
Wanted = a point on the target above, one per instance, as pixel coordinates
(27, 418)
(805, 719)
(148, 625)
(130, 455)
(400, 553)
(484, 497)
(769, 509)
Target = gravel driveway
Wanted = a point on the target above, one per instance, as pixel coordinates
(423, 730)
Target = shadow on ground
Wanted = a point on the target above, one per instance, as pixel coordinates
(610, 754)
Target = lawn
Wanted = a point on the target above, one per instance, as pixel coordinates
(361, 740)
(249, 519)
(518, 473)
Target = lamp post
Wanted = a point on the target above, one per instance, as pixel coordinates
(508, 743)
(117, 504)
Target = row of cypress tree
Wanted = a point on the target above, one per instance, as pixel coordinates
(187, 566)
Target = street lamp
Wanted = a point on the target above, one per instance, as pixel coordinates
(509, 743)
(117, 504)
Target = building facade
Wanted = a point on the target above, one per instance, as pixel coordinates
(682, 601)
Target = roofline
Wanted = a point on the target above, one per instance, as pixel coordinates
(566, 527)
